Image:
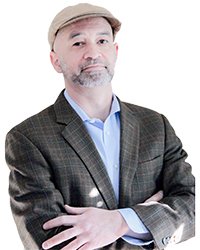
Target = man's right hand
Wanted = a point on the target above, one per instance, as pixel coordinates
(156, 197)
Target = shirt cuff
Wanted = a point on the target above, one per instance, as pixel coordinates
(138, 234)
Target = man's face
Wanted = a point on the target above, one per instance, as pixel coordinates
(85, 53)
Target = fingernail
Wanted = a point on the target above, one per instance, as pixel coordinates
(45, 245)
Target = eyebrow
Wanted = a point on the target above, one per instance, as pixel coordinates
(106, 33)
(73, 35)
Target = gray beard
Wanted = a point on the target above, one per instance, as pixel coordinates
(89, 79)
(93, 79)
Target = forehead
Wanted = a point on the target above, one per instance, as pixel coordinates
(92, 23)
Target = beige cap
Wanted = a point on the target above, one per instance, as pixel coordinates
(77, 12)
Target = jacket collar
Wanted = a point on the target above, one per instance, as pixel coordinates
(129, 152)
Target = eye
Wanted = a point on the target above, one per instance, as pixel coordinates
(78, 44)
(102, 41)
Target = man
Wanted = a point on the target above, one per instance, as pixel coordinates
(92, 172)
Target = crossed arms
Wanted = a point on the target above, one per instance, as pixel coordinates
(91, 227)
(40, 185)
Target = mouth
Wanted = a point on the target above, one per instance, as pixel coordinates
(94, 67)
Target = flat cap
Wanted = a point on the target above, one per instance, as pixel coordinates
(77, 12)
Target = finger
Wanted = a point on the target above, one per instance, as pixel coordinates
(160, 195)
(64, 220)
(156, 197)
(61, 237)
(75, 244)
(75, 210)
(86, 246)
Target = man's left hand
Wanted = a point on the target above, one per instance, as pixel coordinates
(91, 228)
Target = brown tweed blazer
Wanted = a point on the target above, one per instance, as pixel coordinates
(53, 161)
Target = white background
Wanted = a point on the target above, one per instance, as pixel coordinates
(158, 67)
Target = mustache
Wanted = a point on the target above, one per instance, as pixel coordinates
(91, 62)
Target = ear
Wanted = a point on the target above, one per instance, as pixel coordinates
(55, 61)
(116, 48)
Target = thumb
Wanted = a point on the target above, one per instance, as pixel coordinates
(156, 197)
(75, 210)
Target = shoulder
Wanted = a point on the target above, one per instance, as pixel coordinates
(37, 122)
(42, 122)
(141, 113)
(151, 123)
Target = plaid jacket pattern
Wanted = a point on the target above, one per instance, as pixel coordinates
(53, 161)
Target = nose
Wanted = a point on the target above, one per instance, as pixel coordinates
(92, 52)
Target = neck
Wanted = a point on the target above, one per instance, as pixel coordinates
(96, 102)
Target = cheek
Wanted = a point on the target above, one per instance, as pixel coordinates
(75, 59)
(112, 59)
(111, 55)
(72, 63)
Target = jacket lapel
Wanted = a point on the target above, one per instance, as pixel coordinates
(77, 136)
(128, 153)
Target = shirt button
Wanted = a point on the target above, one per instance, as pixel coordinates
(116, 166)
(107, 133)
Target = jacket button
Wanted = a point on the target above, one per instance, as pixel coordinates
(166, 240)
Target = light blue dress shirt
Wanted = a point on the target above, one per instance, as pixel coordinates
(106, 137)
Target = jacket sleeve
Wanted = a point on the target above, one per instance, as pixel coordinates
(33, 195)
(172, 219)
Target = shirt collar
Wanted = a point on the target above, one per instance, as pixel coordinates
(115, 108)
